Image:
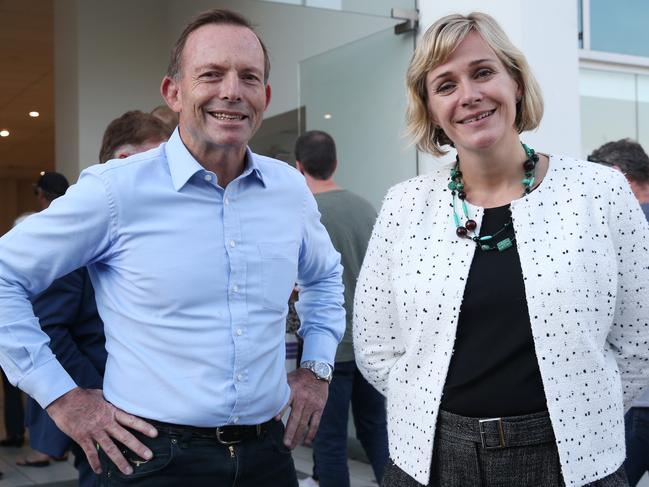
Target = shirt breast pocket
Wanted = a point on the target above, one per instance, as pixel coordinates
(278, 272)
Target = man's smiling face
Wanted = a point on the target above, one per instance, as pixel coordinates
(220, 90)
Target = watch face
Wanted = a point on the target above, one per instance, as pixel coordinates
(322, 370)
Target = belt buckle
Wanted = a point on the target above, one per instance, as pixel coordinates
(219, 432)
(501, 433)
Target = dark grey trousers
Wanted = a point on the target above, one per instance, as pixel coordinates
(515, 452)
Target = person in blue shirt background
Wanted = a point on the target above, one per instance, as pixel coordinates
(191, 279)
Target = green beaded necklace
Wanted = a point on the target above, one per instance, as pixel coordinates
(487, 242)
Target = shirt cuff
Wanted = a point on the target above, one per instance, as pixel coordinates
(47, 383)
(319, 347)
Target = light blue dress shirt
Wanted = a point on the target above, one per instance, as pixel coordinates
(191, 280)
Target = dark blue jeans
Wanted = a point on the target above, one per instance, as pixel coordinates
(368, 409)
(636, 423)
(184, 460)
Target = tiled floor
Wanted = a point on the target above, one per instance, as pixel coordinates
(360, 474)
(58, 474)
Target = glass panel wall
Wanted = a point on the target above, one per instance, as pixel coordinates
(360, 99)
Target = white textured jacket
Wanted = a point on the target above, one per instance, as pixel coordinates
(584, 250)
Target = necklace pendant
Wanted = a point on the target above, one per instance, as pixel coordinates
(468, 230)
(504, 244)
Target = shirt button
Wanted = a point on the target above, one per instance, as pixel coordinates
(232, 243)
(239, 332)
(235, 288)
(227, 201)
(235, 419)
(208, 177)
(239, 377)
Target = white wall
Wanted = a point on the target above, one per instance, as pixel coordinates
(546, 32)
(121, 61)
(109, 57)
(66, 77)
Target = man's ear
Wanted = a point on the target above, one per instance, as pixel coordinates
(170, 91)
(299, 166)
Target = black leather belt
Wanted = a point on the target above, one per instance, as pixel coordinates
(227, 435)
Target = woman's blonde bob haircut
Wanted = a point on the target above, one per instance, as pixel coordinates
(437, 44)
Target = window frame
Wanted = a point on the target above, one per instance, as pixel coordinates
(604, 60)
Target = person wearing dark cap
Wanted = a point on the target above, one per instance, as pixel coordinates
(58, 308)
(50, 185)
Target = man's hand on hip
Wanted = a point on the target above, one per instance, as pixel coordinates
(86, 417)
(307, 401)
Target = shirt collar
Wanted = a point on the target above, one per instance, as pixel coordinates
(252, 167)
(183, 165)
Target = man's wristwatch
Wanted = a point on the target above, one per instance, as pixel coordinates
(321, 370)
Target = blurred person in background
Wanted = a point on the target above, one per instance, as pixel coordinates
(628, 157)
(348, 219)
(167, 116)
(132, 133)
(49, 306)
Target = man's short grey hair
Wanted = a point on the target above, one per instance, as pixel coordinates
(626, 154)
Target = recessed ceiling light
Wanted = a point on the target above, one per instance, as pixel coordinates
(34, 114)
(327, 116)
(4, 133)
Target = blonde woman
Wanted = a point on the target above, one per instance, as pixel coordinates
(503, 304)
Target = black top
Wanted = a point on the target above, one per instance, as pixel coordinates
(494, 371)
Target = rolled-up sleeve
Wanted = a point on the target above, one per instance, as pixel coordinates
(75, 230)
(320, 306)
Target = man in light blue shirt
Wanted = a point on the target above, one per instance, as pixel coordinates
(193, 249)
